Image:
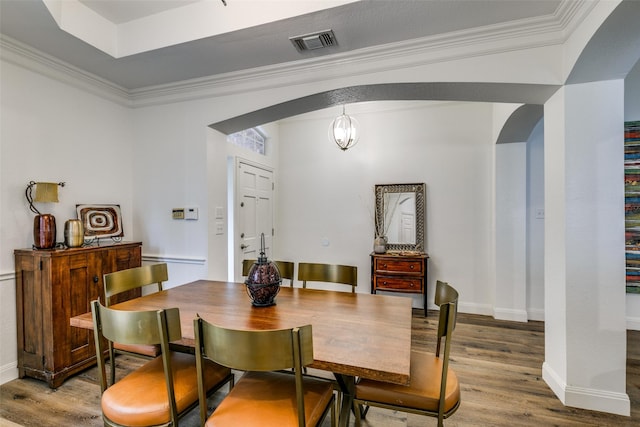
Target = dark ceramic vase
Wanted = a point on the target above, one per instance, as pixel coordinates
(44, 231)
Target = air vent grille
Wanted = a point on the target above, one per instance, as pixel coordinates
(317, 40)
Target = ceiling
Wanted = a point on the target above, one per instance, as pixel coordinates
(167, 41)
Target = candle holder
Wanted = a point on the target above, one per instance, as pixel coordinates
(264, 280)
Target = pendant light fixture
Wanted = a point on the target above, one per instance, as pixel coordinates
(344, 131)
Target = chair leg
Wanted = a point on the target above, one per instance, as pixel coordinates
(366, 409)
(357, 409)
(112, 363)
(334, 414)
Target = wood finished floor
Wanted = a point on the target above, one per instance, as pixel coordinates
(498, 364)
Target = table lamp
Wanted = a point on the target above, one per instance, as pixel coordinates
(44, 225)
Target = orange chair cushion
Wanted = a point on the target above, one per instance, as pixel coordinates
(424, 390)
(140, 398)
(145, 350)
(269, 399)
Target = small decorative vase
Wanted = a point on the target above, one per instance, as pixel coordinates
(380, 245)
(73, 233)
(44, 231)
(263, 281)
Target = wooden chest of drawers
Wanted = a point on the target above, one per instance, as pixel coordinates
(400, 273)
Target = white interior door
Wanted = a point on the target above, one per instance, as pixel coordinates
(255, 209)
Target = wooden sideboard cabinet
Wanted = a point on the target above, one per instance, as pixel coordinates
(397, 272)
(51, 287)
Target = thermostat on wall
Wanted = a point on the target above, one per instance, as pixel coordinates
(177, 213)
(191, 212)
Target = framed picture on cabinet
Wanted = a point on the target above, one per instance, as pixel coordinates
(101, 221)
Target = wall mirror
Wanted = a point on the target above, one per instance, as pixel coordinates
(400, 215)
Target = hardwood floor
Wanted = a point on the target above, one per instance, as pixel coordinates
(498, 364)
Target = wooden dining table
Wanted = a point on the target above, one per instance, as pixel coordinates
(354, 335)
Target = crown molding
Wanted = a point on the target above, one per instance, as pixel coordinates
(523, 34)
(25, 56)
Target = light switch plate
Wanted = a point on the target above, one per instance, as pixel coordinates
(191, 212)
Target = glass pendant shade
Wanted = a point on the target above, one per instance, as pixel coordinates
(344, 131)
(263, 281)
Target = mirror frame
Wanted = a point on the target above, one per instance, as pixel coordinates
(419, 190)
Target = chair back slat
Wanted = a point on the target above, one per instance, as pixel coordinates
(284, 267)
(137, 327)
(268, 350)
(132, 278)
(330, 273)
(447, 299)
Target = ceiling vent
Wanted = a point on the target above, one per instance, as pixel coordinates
(313, 41)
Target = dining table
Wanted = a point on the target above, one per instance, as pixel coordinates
(355, 335)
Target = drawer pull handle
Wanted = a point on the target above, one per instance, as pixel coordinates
(411, 284)
(411, 267)
(384, 283)
(384, 266)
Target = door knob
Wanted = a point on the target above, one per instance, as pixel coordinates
(243, 246)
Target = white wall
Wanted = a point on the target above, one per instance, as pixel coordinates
(53, 132)
(510, 231)
(328, 194)
(535, 224)
(584, 247)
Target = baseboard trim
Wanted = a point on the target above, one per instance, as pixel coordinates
(536, 314)
(8, 372)
(585, 398)
(472, 308)
(173, 260)
(510, 314)
(633, 323)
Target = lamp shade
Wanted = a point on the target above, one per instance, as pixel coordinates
(46, 192)
(344, 131)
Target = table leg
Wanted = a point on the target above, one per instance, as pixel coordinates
(347, 384)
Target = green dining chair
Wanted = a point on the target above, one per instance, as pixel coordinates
(434, 389)
(116, 285)
(163, 389)
(265, 395)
